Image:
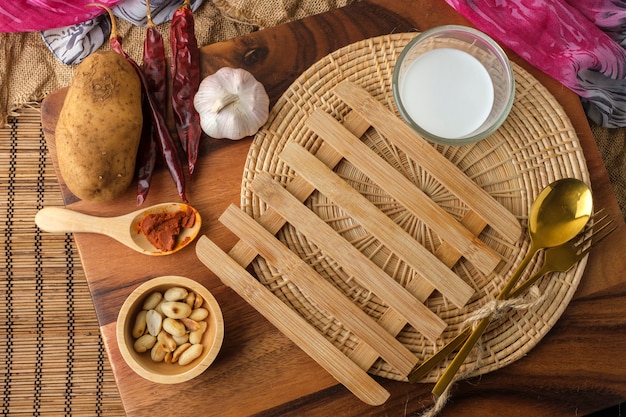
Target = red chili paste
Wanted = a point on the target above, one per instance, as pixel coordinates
(163, 229)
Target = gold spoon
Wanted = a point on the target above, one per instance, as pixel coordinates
(559, 213)
(124, 229)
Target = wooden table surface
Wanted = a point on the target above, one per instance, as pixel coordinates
(579, 367)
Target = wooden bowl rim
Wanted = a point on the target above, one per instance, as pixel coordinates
(212, 347)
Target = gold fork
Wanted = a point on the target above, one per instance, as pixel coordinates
(562, 258)
(557, 259)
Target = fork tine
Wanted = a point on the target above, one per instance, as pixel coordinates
(597, 232)
(603, 231)
(595, 213)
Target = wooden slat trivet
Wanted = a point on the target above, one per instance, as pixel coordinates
(375, 340)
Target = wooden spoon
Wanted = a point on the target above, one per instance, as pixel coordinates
(124, 229)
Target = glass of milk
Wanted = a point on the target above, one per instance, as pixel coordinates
(453, 85)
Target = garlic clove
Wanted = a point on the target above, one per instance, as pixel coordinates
(232, 104)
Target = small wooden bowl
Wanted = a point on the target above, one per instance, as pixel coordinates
(162, 372)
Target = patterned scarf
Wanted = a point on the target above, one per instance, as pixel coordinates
(71, 30)
(580, 43)
(74, 43)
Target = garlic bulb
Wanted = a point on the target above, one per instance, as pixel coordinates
(232, 104)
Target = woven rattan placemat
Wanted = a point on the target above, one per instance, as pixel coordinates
(53, 359)
(536, 145)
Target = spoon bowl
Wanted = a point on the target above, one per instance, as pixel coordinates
(124, 229)
(559, 213)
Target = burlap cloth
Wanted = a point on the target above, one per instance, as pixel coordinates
(612, 145)
(53, 361)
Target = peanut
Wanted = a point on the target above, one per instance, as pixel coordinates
(174, 327)
(171, 326)
(190, 325)
(159, 308)
(158, 352)
(180, 340)
(143, 343)
(190, 299)
(167, 340)
(140, 324)
(179, 350)
(199, 314)
(175, 309)
(195, 337)
(152, 301)
(154, 322)
(198, 301)
(190, 354)
(175, 294)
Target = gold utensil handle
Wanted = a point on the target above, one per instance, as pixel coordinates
(478, 331)
(425, 367)
(429, 364)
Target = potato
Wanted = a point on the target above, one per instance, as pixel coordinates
(99, 128)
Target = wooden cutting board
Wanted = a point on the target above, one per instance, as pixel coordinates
(259, 371)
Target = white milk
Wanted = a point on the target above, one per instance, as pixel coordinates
(447, 92)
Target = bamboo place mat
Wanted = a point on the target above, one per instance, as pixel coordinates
(535, 146)
(54, 362)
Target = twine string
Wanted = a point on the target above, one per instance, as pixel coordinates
(496, 309)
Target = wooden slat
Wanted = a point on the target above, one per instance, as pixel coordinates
(450, 176)
(290, 323)
(362, 354)
(403, 191)
(378, 224)
(319, 290)
(353, 262)
(298, 187)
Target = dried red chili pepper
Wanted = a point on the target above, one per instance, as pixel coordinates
(185, 69)
(154, 62)
(154, 68)
(164, 139)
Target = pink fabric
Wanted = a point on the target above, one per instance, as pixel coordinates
(37, 15)
(608, 15)
(551, 35)
(577, 42)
